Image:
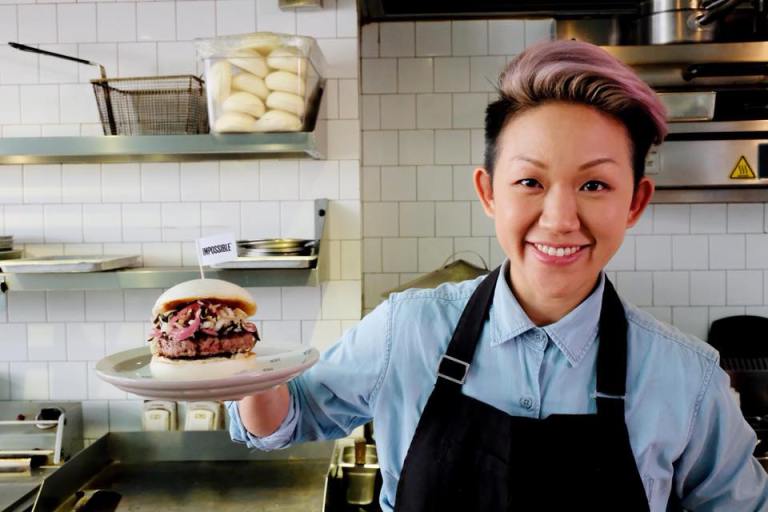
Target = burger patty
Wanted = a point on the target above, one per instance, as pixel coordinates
(205, 346)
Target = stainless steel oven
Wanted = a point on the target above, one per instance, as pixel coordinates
(717, 98)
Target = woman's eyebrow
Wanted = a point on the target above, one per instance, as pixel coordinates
(537, 163)
(542, 165)
(597, 161)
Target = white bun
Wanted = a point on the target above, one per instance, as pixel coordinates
(219, 80)
(254, 64)
(288, 58)
(163, 368)
(278, 121)
(286, 82)
(286, 102)
(207, 289)
(234, 122)
(263, 42)
(245, 102)
(251, 83)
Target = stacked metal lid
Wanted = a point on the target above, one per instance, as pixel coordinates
(276, 247)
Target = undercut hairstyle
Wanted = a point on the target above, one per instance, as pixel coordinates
(582, 73)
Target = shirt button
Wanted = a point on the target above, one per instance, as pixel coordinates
(526, 402)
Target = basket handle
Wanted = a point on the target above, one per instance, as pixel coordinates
(32, 49)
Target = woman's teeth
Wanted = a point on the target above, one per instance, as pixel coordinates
(557, 251)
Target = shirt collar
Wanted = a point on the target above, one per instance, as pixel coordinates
(573, 334)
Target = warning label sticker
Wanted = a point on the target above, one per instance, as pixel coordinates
(742, 170)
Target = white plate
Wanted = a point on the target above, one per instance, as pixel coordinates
(275, 364)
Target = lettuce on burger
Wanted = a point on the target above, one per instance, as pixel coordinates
(201, 331)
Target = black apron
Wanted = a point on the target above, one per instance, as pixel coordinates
(467, 455)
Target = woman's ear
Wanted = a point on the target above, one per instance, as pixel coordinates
(640, 199)
(484, 189)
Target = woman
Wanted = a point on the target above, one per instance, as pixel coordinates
(536, 387)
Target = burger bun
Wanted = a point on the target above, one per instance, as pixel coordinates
(213, 290)
(163, 368)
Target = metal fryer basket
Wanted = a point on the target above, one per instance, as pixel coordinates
(156, 105)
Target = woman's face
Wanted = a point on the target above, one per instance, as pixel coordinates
(561, 197)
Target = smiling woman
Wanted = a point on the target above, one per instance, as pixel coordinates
(536, 387)
(562, 195)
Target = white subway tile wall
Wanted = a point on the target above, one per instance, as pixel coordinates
(51, 340)
(686, 264)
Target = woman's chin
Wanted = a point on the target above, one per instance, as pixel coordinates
(556, 284)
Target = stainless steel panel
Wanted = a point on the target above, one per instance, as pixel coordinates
(705, 163)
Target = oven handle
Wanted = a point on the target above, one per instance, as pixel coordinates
(720, 69)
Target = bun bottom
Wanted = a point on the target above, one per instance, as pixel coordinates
(163, 368)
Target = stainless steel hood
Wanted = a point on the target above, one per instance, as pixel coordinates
(402, 10)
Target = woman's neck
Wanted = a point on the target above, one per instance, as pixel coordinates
(545, 310)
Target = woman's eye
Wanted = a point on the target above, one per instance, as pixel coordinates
(529, 182)
(594, 186)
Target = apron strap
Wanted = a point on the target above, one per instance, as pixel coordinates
(611, 355)
(454, 365)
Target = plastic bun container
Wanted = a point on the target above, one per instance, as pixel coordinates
(261, 82)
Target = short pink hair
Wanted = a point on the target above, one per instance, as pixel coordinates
(578, 72)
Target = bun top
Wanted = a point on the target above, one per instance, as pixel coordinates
(214, 290)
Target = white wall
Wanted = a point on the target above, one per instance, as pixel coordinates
(425, 86)
(49, 342)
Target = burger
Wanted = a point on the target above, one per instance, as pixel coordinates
(200, 330)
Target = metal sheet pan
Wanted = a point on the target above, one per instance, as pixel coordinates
(70, 264)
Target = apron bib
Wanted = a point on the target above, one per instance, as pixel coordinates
(467, 455)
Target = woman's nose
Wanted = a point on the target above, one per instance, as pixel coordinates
(559, 212)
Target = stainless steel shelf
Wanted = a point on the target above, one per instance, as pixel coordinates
(161, 277)
(162, 148)
(285, 272)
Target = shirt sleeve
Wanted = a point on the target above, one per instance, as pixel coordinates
(334, 396)
(717, 471)
(280, 438)
(338, 394)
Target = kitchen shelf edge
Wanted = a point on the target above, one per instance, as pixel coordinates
(160, 277)
(162, 148)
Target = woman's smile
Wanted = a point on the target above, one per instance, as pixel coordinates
(557, 254)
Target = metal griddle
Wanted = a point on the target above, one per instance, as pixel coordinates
(181, 471)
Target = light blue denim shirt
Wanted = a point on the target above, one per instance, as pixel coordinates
(687, 433)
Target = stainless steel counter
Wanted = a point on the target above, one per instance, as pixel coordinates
(175, 471)
(285, 486)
